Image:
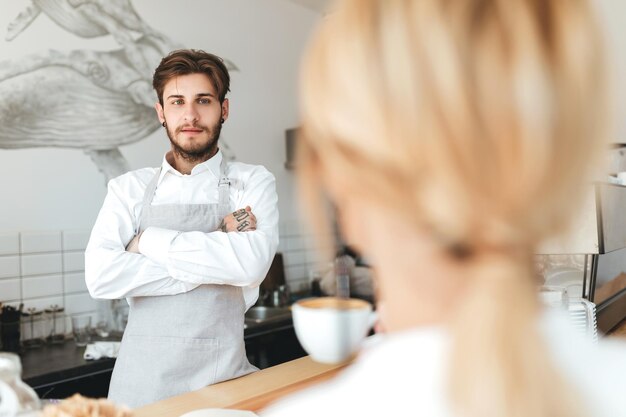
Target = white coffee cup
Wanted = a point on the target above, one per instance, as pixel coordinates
(331, 329)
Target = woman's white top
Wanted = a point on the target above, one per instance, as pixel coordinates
(405, 374)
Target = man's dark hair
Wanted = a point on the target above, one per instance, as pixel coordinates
(192, 61)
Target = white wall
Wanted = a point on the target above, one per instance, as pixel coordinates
(59, 189)
(50, 196)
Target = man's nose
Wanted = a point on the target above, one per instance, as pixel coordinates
(191, 113)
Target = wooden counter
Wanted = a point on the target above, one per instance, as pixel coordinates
(251, 392)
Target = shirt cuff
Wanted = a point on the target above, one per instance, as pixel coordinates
(155, 243)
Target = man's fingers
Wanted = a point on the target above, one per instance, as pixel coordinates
(241, 220)
(241, 215)
(243, 226)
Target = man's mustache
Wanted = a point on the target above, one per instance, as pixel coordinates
(198, 127)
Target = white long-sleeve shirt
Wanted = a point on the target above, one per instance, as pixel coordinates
(171, 262)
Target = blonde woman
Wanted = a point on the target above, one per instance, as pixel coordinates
(453, 136)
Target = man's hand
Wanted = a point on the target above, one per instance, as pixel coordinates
(241, 220)
(133, 245)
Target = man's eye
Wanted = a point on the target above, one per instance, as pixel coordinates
(177, 102)
(204, 101)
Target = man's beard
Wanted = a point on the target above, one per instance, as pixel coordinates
(200, 154)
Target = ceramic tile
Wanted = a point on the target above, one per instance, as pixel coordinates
(295, 258)
(295, 273)
(299, 285)
(291, 228)
(73, 261)
(294, 243)
(10, 289)
(37, 242)
(42, 286)
(42, 303)
(311, 242)
(75, 239)
(9, 243)
(9, 266)
(50, 263)
(317, 259)
(80, 303)
(75, 282)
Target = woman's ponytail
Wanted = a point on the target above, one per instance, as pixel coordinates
(500, 365)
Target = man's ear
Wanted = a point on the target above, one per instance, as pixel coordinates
(159, 111)
(225, 109)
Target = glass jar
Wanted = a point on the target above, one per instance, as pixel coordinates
(56, 327)
(33, 333)
(18, 399)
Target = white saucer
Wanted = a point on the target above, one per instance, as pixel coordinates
(219, 412)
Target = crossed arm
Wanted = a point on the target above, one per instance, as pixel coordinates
(170, 262)
(241, 220)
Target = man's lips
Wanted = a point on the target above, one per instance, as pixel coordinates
(191, 130)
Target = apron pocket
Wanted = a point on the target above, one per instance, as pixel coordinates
(172, 365)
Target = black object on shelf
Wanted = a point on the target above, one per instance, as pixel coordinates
(10, 328)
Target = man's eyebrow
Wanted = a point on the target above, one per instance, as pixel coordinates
(197, 95)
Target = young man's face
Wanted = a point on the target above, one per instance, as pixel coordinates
(192, 113)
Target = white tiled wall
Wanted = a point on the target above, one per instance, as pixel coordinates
(300, 255)
(43, 269)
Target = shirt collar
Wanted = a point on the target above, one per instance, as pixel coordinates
(212, 165)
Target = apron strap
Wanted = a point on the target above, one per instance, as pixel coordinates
(147, 198)
(224, 190)
(224, 185)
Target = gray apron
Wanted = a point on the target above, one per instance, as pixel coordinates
(180, 343)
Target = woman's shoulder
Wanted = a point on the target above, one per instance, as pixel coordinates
(394, 375)
(597, 369)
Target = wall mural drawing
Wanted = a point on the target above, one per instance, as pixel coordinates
(92, 100)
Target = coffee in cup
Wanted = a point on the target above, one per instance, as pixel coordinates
(331, 329)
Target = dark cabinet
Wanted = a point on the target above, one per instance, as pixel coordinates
(94, 385)
(273, 348)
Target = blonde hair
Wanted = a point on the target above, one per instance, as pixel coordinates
(479, 121)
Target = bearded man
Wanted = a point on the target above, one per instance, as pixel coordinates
(187, 244)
